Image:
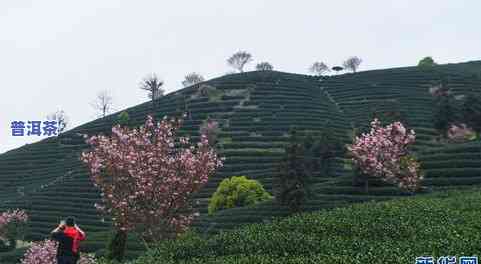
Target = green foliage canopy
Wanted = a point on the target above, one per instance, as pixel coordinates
(123, 119)
(471, 111)
(237, 191)
(426, 62)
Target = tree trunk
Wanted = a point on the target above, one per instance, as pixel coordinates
(366, 185)
(361, 179)
(8, 245)
(117, 244)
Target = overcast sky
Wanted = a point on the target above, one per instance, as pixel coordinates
(60, 54)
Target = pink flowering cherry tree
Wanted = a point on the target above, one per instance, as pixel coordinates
(148, 175)
(461, 133)
(383, 153)
(211, 129)
(44, 252)
(12, 224)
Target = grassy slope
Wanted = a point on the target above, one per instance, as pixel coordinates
(396, 231)
(48, 180)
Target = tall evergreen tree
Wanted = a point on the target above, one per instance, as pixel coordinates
(471, 111)
(444, 115)
(294, 178)
(306, 155)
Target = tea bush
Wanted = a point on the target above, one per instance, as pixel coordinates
(397, 231)
(236, 192)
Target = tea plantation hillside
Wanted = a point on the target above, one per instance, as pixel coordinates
(396, 231)
(255, 111)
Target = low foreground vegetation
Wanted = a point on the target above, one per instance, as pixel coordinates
(397, 231)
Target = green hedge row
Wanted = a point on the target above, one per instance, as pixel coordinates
(446, 157)
(453, 163)
(388, 232)
(454, 172)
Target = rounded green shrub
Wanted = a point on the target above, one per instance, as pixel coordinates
(426, 62)
(237, 191)
(123, 119)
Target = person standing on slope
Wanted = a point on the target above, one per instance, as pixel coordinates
(68, 235)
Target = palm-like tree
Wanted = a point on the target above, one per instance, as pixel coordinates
(153, 84)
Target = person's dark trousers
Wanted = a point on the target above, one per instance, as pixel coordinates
(66, 260)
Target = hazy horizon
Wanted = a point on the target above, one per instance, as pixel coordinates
(60, 54)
